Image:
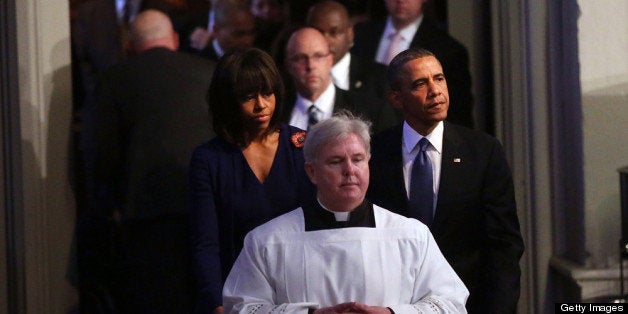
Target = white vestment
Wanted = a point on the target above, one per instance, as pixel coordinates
(283, 268)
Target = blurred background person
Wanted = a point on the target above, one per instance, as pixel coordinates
(203, 30)
(270, 18)
(234, 28)
(315, 98)
(251, 172)
(349, 72)
(406, 26)
(150, 113)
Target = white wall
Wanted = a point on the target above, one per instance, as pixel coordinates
(48, 213)
(603, 45)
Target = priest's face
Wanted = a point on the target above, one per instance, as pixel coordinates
(341, 173)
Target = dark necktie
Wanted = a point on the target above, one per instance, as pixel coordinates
(421, 202)
(314, 115)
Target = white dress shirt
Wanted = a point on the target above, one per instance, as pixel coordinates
(217, 48)
(340, 72)
(410, 149)
(325, 103)
(134, 7)
(407, 33)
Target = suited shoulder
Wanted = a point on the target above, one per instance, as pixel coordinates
(366, 30)
(194, 60)
(387, 137)
(458, 132)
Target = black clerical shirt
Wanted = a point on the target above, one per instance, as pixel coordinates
(318, 218)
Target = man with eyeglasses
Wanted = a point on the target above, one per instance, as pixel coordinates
(308, 61)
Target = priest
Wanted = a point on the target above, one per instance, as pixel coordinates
(340, 253)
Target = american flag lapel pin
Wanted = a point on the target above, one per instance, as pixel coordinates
(456, 159)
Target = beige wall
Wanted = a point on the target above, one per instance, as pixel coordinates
(603, 45)
(45, 108)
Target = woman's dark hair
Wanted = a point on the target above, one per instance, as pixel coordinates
(238, 74)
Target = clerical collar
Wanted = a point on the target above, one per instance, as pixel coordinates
(318, 218)
(340, 216)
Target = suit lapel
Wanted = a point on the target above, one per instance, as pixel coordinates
(450, 161)
(367, 47)
(342, 100)
(395, 169)
(390, 170)
(356, 67)
(422, 37)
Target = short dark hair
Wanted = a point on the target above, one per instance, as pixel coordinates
(240, 73)
(396, 65)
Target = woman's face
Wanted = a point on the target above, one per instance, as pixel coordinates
(257, 110)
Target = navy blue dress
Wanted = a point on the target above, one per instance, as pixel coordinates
(228, 201)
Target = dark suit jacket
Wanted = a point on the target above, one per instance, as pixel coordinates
(475, 223)
(452, 55)
(209, 52)
(367, 77)
(381, 115)
(96, 43)
(151, 113)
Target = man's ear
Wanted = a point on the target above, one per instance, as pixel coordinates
(309, 170)
(393, 99)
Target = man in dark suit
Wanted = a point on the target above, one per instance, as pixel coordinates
(349, 72)
(406, 20)
(471, 193)
(234, 28)
(309, 62)
(151, 113)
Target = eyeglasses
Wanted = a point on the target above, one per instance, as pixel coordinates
(303, 59)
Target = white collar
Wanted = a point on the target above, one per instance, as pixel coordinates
(340, 216)
(340, 72)
(325, 102)
(407, 33)
(217, 48)
(411, 137)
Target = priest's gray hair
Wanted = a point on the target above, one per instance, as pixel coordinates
(338, 127)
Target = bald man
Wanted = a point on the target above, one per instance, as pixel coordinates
(349, 72)
(309, 62)
(151, 113)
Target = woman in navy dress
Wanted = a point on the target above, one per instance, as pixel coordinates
(250, 173)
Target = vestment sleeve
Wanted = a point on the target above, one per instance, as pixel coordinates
(437, 288)
(249, 288)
